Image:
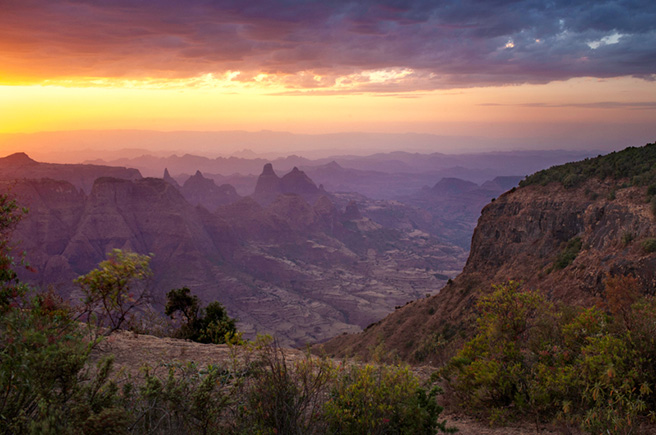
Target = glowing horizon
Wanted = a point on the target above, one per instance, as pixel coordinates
(312, 68)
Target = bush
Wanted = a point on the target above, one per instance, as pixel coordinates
(381, 400)
(579, 366)
(209, 325)
(649, 245)
(286, 396)
(568, 254)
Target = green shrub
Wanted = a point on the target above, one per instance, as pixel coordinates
(651, 190)
(381, 400)
(612, 195)
(209, 325)
(586, 367)
(649, 245)
(184, 399)
(569, 253)
(286, 396)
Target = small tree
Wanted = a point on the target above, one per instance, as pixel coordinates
(180, 300)
(216, 326)
(117, 287)
(209, 325)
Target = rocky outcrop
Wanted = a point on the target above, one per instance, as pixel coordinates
(501, 184)
(202, 191)
(167, 177)
(296, 182)
(268, 185)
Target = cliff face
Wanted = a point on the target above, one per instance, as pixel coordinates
(521, 236)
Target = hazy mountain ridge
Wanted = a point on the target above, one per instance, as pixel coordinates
(522, 236)
(82, 145)
(82, 176)
(379, 176)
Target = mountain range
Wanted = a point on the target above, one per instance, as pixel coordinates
(290, 257)
(301, 264)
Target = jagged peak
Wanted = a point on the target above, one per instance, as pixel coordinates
(268, 170)
(297, 181)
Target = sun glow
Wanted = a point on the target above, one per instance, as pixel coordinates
(314, 104)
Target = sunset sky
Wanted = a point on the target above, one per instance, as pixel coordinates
(515, 69)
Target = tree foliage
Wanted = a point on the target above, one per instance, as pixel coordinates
(209, 325)
(115, 289)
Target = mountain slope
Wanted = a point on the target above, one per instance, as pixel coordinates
(561, 237)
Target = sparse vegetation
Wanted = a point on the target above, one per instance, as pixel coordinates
(649, 245)
(627, 237)
(636, 164)
(568, 253)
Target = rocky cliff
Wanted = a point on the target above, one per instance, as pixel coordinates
(562, 237)
(269, 186)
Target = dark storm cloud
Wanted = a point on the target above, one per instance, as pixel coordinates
(444, 43)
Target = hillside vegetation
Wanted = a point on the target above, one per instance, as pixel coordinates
(637, 164)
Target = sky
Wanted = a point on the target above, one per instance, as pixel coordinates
(578, 73)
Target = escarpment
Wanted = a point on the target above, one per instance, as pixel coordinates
(565, 241)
